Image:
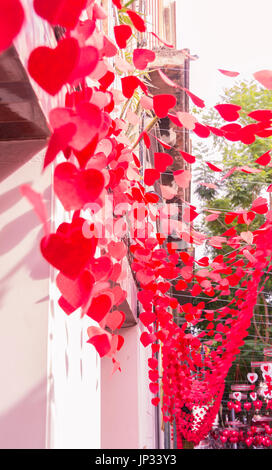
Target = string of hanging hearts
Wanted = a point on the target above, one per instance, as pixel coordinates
(97, 161)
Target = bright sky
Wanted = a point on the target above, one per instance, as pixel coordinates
(228, 34)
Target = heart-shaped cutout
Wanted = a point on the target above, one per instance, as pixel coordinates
(76, 187)
(163, 103)
(228, 111)
(68, 250)
(141, 58)
(65, 13)
(11, 20)
(76, 292)
(162, 161)
(87, 118)
(122, 34)
(52, 68)
(150, 176)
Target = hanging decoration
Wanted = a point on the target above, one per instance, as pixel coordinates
(98, 162)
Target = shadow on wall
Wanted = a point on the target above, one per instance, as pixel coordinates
(24, 425)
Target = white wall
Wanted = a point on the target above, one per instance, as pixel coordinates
(24, 288)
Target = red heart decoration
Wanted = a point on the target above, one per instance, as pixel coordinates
(102, 268)
(162, 161)
(228, 111)
(65, 13)
(147, 318)
(88, 119)
(264, 159)
(100, 339)
(59, 140)
(163, 103)
(99, 307)
(145, 339)
(141, 58)
(52, 68)
(11, 20)
(129, 85)
(76, 187)
(150, 176)
(137, 21)
(68, 250)
(122, 33)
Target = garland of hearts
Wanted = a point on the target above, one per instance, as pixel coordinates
(198, 349)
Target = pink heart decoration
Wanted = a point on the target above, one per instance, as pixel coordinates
(141, 58)
(87, 118)
(76, 187)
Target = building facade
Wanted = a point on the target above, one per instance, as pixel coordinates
(58, 393)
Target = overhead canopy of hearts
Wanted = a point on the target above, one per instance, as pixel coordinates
(96, 161)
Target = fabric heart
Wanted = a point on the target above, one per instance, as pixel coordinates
(253, 396)
(162, 161)
(252, 377)
(228, 111)
(52, 68)
(76, 187)
(141, 58)
(88, 121)
(68, 250)
(122, 33)
(60, 12)
(150, 176)
(11, 21)
(163, 103)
